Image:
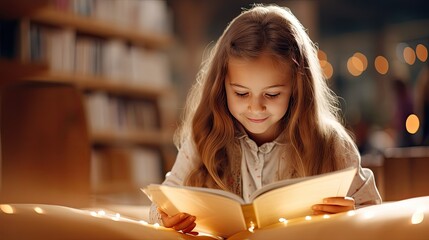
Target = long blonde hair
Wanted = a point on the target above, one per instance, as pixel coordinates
(311, 123)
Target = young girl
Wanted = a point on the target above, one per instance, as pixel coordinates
(260, 112)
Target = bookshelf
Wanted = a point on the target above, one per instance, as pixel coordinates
(120, 74)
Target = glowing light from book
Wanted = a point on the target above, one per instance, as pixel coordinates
(252, 227)
(422, 52)
(308, 218)
(418, 217)
(283, 220)
(368, 215)
(351, 213)
(101, 213)
(6, 208)
(143, 222)
(381, 65)
(116, 217)
(412, 124)
(39, 210)
(326, 216)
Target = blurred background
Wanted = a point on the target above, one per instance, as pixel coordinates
(92, 90)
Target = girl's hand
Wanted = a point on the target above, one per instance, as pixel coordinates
(179, 222)
(334, 205)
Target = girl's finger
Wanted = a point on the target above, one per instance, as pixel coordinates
(174, 220)
(340, 201)
(325, 208)
(184, 224)
(189, 229)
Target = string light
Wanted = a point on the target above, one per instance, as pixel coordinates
(308, 218)
(351, 213)
(39, 210)
(252, 227)
(283, 220)
(417, 217)
(8, 209)
(143, 222)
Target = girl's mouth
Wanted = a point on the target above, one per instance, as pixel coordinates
(257, 120)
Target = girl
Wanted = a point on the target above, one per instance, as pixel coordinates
(260, 112)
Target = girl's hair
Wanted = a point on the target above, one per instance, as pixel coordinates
(311, 123)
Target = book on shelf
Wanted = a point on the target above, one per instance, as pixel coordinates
(223, 213)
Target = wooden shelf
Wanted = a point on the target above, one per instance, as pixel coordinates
(99, 28)
(154, 138)
(58, 106)
(118, 87)
(13, 70)
(20, 8)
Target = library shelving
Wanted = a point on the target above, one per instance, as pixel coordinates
(79, 63)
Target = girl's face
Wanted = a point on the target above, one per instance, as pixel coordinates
(258, 93)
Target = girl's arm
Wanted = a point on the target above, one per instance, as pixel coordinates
(186, 161)
(362, 192)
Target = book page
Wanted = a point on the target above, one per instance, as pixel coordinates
(287, 182)
(296, 200)
(216, 214)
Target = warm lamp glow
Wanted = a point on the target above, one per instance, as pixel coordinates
(322, 55)
(354, 66)
(363, 60)
(409, 55)
(422, 52)
(381, 65)
(327, 68)
(412, 124)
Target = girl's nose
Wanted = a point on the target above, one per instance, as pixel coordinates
(256, 105)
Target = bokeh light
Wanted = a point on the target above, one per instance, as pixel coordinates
(412, 124)
(422, 52)
(354, 67)
(381, 65)
(363, 60)
(409, 55)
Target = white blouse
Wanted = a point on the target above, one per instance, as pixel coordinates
(262, 165)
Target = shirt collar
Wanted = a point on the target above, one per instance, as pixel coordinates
(241, 134)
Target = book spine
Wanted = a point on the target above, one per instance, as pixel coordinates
(249, 216)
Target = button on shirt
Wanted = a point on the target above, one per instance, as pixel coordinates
(259, 165)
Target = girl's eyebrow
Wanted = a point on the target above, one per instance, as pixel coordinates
(241, 86)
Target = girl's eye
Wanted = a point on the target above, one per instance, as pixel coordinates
(272, 95)
(241, 94)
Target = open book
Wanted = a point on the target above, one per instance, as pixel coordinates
(222, 213)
